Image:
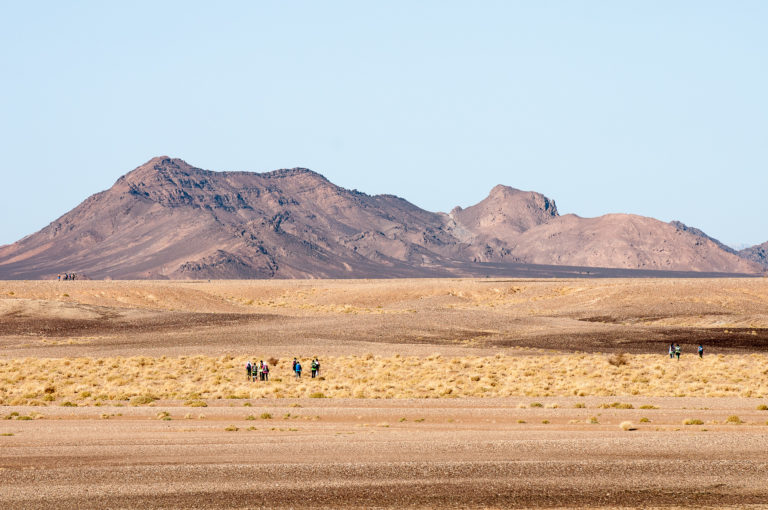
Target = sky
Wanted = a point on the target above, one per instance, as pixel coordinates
(656, 108)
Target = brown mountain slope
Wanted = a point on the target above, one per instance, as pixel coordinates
(624, 240)
(167, 219)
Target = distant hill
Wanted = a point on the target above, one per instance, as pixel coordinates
(758, 254)
(167, 219)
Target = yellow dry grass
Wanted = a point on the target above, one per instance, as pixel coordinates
(142, 380)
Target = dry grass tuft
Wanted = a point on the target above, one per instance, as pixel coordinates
(734, 420)
(692, 421)
(626, 425)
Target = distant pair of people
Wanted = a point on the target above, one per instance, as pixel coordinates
(314, 367)
(260, 371)
(66, 276)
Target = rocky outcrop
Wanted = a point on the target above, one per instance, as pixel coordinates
(757, 254)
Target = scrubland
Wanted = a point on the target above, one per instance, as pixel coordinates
(95, 381)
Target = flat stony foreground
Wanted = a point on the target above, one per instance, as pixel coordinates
(470, 453)
(433, 394)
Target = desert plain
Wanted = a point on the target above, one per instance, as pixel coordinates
(460, 393)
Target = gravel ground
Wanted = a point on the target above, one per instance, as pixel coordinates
(371, 453)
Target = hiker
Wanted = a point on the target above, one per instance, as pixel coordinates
(671, 351)
(248, 370)
(677, 351)
(297, 369)
(701, 351)
(265, 372)
(315, 367)
(261, 370)
(295, 361)
(254, 369)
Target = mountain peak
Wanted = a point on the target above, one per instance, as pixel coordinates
(500, 190)
(506, 212)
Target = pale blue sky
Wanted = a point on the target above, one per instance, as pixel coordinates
(655, 108)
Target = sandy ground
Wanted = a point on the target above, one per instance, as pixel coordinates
(377, 453)
(386, 317)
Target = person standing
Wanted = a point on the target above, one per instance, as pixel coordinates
(701, 351)
(671, 351)
(248, 371)
(265, 372)
(314, 368)
(677, 351)
(297, 369)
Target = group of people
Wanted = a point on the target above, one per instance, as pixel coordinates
(675, 351)
(254, 371)
(260, 370)
(66, 276)
(314, 368)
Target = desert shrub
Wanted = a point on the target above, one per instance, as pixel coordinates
(626, 425)
(231, 428)
(692, 421)
(196, 403)
(592, 420)
(648, 406)
(580, 405)
(734, 419)
(536, 404)
(762, 407)
(141, 400)
(250, 417)
(68, 404)
(644, 420)
(617, 405)
(545, 422)
(618, 360)
(49, 389)
(316, 395)
(266, 416)
(273, 361)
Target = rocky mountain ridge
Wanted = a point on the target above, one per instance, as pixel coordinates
(168, 219)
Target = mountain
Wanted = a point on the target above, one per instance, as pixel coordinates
(758, 254)
(168, 219)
